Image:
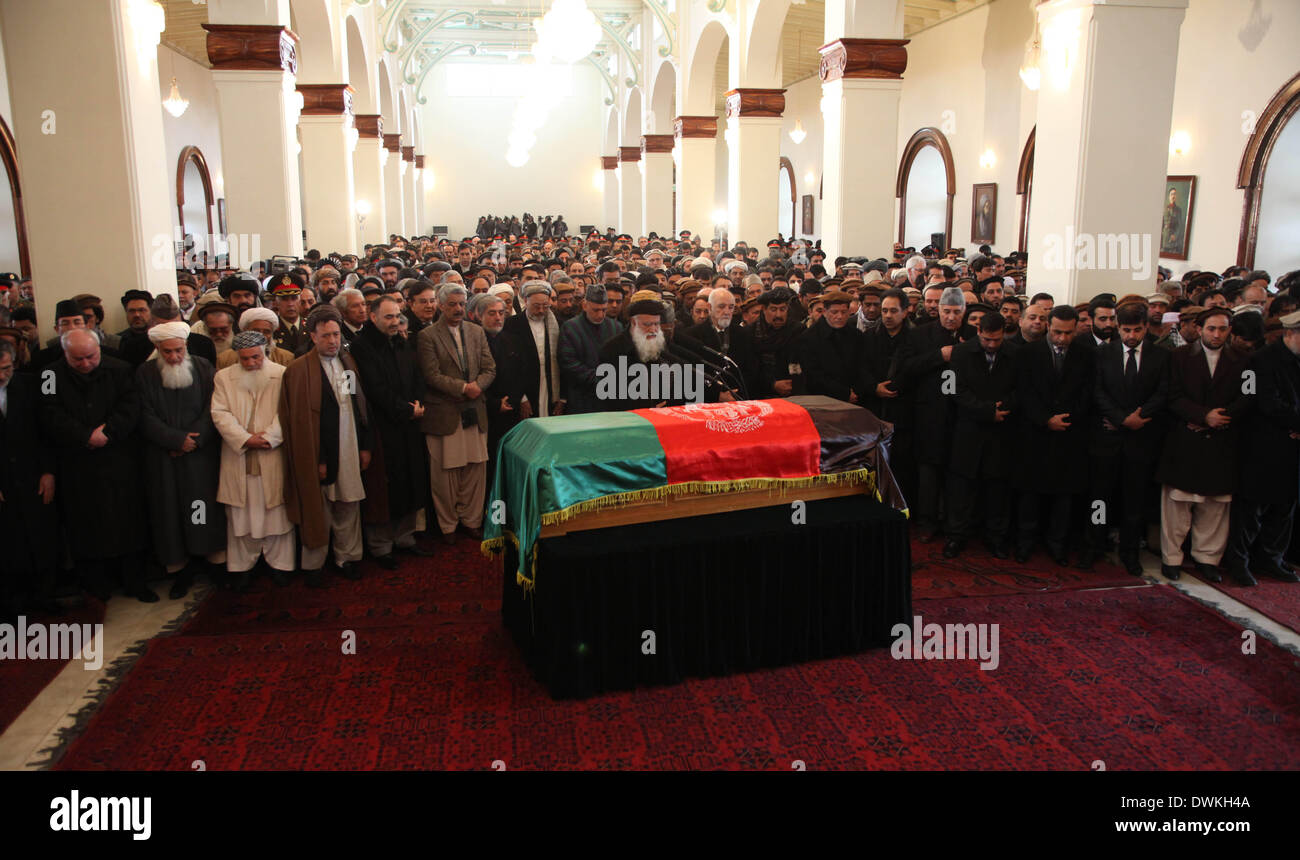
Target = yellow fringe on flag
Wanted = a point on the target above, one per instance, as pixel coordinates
(704, 488)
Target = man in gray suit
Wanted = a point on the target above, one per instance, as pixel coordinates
(458, 367)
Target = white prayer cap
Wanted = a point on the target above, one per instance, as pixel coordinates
(502, 290)
(732, 264)
(253, 315)
(169, 331)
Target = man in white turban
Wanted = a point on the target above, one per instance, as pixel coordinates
(264, 321)
(181, 457)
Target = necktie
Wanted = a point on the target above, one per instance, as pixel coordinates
(1057, 356)
(1131, 368)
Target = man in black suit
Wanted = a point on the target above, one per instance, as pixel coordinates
(1198, 470)
(1130, 393)
(925, 361)
(886, 397)
(28, 519)
(1260, 529)
(721, 333)
(831, 353)
(1055, 391)
(983, 438)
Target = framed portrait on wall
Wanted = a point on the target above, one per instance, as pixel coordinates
(1176, 218)
(808, 215)
(983, 213)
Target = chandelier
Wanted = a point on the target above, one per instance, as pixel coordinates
(568, 32)
(174, 104)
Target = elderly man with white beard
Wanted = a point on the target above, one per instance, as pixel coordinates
(182, 458)
(641, 343)
(264, 321)
(245, 410)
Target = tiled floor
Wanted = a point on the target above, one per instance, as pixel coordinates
(128, 622)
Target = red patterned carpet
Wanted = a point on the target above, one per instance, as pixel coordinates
(1278, 600)
(22, 680)
(1140, 678)
(976, 573)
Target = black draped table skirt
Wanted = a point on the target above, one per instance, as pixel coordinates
(656, 603)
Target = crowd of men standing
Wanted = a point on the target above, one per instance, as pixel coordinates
(346, 406)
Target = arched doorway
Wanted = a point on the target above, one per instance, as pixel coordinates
(926, 185)
(786, 196)
(194, 198)
(1273, 154)
(13, 222)
(1025, 188)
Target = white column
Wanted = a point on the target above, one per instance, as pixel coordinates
(696, 173)
(1101, 151)
(409, 190)
(253, 70)
(609, 173)
(421, 196)
(116, 205)
(657, 184)
(861, 85)
(753, 159)
(629, 191)
(368, 170)
(328, 141)
(393, 188)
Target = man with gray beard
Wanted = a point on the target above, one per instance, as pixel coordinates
(245, 410)
(182, 458)
(722, 333)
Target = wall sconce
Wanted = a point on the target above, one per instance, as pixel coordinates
(1179, 143)
(988, 159)
(809, 178)
(363, 209)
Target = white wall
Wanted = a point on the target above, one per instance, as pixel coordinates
(8, 226)
(962, 78)
(803, 102)
(196, 127)
(466, 140)
(1226, 65)
(1276, 251)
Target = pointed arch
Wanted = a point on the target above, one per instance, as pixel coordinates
(188, 154)
(1025, 188)
(9, 154)
(928, 136)
(1254, 163)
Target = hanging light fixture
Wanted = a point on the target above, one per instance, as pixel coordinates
(1030, 73)
(797, 134)
(568, 32)
(174, 104)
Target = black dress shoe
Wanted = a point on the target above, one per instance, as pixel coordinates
(476, 532)
(349, 569)
(1061, 558)
(280, 577)
(416, 550)
(314, 578)
(387, 562)
(952, 548)
(238, 582)
(999, 550)
(181, 584)
(1022, 555)
(1087, 558)
(924, 534)
(145, 594)
(1208, 572)
(1171, 571)
(1131, 564)
(1282, 573)
(449, 538)
(1242, 576)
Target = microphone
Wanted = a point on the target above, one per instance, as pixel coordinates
(691, 346)
(704, 353)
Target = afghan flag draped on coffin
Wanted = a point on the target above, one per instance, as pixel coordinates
(552, 469)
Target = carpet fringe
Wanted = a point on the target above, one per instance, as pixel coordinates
(112, 678)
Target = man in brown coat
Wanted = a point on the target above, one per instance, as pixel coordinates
(458, 367)
(327, 447)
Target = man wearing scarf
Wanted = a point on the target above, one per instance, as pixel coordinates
(245, 403)
(182, 457)
(327, 446)
(774, 337)
(536, 335)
